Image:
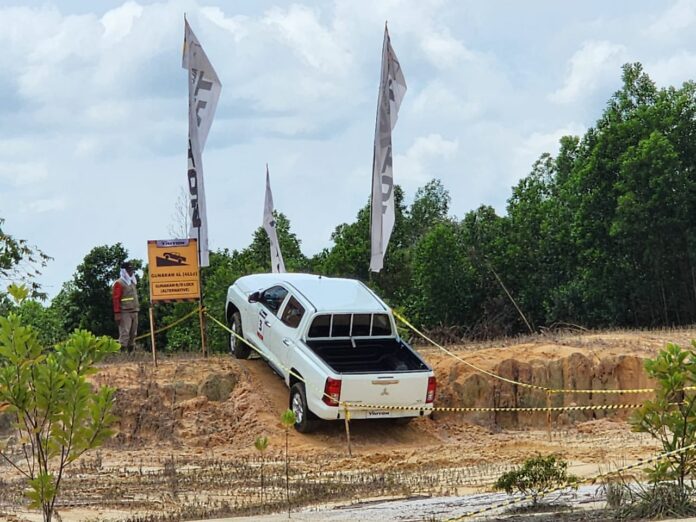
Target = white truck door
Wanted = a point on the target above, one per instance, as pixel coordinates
(286, 330)
(270, 301)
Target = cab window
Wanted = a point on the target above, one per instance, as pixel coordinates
(293, 312)
(273, 298)
(341, 325)
(381, 325)
(361, 325)
(321, 326)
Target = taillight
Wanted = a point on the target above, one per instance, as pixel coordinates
(332, 391)
(430, 394)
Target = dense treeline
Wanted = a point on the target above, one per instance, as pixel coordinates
(601, 235)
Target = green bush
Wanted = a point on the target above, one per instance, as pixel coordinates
(537, 476)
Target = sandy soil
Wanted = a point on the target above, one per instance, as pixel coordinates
(184, 447)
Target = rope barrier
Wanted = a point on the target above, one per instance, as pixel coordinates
(164, 328)
(511, 381)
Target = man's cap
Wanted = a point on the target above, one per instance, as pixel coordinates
(127, 265)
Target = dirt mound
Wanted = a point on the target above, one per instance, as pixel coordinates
(219, 401)
(184, 442)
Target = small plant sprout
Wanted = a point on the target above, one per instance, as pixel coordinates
(261, 443)
(287, 419)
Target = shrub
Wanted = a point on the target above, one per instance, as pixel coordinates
(537, 476)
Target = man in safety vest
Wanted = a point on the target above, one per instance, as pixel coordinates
(126, 307)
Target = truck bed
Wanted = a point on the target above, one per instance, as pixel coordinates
(367, 356)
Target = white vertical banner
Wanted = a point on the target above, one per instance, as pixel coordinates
(203, 92)
(392, 88)
(269, 225)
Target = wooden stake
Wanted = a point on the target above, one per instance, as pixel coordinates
(152, 334)
(201, 320)
(548, 414)
(347, 421)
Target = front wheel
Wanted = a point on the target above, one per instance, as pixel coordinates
(305, 420)
(238, 348)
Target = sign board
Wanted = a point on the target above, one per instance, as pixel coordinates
(173, 267)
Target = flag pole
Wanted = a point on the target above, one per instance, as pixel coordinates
(201, 316)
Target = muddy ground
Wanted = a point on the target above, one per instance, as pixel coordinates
(184, 446)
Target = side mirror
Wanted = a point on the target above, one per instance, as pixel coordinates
(254, 297)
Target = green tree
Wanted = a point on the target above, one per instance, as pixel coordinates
(259, 251)
(430, 206)
(87, 298)
(43, 319)
(57, 414)
(21, 262)
(350, 254)
(441, 277)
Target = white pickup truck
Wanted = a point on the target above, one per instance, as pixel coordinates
(339, 337)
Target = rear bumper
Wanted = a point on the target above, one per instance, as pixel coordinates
(323, 411)
(383, 414)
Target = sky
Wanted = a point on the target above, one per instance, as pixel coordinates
(93, 107)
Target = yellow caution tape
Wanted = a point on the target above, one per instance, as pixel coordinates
(590, 480)
(511, 381)
(164, 328)
(473, 366)
(361, 407)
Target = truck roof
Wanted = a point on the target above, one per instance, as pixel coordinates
(331, 294)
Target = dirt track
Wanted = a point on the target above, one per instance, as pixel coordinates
(185, 440)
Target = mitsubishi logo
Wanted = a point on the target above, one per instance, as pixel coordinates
(385, 391)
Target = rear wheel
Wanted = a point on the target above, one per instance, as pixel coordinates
(238, 348)
(305, 420)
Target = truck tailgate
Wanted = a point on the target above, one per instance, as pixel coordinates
(393, 389)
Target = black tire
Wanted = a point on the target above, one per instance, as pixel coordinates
(238, 348)
(305, 420)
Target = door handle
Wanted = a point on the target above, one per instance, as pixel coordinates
(267, 323)
(286, 342)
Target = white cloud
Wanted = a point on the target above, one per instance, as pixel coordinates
(444, 51)
(417, 166)
(119, 22)
(673, 70)
(588, 68)
(237, 26)
(23, 173)
(682, 15)
(300, 28)
(438, 99)
(40, 206)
